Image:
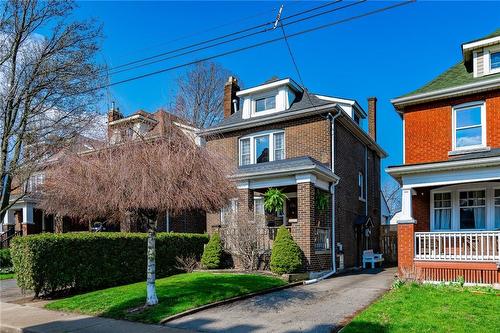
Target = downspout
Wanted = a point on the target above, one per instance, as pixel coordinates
(331, 118)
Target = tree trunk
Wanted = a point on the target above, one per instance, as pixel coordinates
(151, 298)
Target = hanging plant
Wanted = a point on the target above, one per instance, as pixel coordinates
(322, 200)
(274, 200)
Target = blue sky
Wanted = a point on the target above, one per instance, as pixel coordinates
(384, 55)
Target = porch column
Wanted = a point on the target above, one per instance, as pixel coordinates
(245, 202)
(28, 224)
(9, 218)
(303, 232)
(406, 233)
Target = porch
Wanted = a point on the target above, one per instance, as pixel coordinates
(450, 221)
(303, 181)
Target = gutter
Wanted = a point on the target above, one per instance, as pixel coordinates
(401, 102)
(443, 166)
(284, 172)
(332, 190)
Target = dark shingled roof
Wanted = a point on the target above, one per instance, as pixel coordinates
(289, 163)
(481, 154)
(301, 102)
(455, 76)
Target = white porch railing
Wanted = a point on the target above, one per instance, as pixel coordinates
(458, 246)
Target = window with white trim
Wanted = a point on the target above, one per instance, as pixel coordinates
(472, 209)
(442, 211)
(262, 147)
(245, 154)
(361, 186)
(497, 208)
(265, 103)
(469, 128)
(495, 61)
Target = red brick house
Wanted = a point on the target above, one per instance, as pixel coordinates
(24, 217)
(279, 135)
(450, 178)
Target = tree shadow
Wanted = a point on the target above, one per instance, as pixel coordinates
(362, 327)
(203, 325)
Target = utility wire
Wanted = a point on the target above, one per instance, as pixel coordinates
(222, 37)
(321, 27)
(236, 38)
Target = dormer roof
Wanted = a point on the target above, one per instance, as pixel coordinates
(469, 47)
(271, 85)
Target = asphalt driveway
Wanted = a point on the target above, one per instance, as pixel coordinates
(320, 307)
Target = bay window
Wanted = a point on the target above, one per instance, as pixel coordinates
(442, 211)
(469, 126)
(262, 147)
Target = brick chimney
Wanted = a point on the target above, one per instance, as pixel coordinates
(114, 113)
(372, 117)
(230, 89)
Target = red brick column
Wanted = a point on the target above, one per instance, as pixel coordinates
(245, 205)
(302, 232)
(406, 245)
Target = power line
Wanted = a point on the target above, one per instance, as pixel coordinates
(236, 38)
(223, 36)
(321, 27)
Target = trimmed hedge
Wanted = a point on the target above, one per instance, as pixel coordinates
(5, 259)
(286, 255)
(213, 253)
(46, 263)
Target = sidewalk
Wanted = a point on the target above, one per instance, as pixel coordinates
(16, 318)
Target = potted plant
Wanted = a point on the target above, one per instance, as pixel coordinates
(274, 200)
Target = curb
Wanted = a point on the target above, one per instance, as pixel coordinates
(10, 329)
(228, 301)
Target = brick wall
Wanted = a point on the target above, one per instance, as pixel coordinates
(428, 127)
(406, 244)
(349, 162)
(304, 137)
(421, 209)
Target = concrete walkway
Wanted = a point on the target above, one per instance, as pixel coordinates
(320, 307)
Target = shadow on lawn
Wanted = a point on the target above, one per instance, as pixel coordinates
(362, 327)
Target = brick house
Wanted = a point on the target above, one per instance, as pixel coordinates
(24, 217)
(450, 220)
(279, 135)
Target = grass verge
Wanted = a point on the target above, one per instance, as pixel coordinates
(430, 308)
(176, 294)
(6, 276)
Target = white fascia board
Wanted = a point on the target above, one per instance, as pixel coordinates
(270, 85)
(448, 92)
(443, 166)
(350, 102)
(325, 174)
(480, 43)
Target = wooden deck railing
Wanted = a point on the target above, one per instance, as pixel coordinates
(458, 246)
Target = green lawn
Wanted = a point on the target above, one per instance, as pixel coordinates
(175, 294)
(5, 276)
(428, 308)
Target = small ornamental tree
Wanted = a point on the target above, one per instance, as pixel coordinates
(146, 177)
(213, 253)
(286, 256)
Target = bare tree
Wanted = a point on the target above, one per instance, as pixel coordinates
(47, 85)
(200, 94)
(392, 194)
(146, 177)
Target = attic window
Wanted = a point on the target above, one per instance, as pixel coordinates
(495, 61)
(266, 103)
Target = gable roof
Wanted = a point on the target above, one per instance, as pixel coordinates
(455, 77)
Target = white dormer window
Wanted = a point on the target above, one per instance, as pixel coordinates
(262, 147)
(265, 104)
(495, 61)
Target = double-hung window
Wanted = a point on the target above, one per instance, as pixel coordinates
(245, 152)
(442, 211)
(265, 103)
(228, 213)
(473, 209)
(469, 126)
(497, 208)
(262, 147)
(495, 62)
